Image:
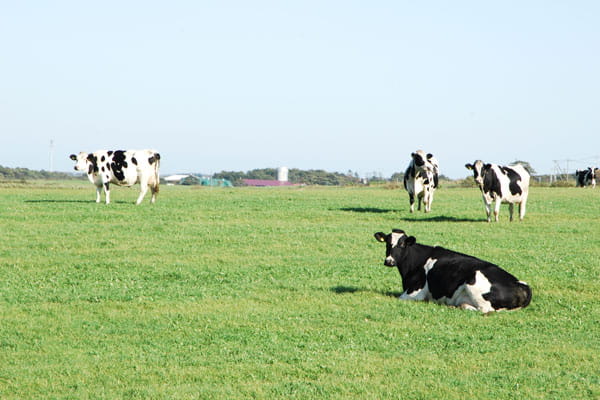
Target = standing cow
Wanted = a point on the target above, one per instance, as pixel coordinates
(421, 179)
(501, 184)
(451, 278)
(121, 167)
(586, 177)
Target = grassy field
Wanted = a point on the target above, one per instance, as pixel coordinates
(282, 293)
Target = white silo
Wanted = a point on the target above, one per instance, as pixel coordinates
(282, 174)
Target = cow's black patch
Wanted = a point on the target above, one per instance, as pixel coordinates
(102, 169)
(419, 162)
(506, 292)
(513, 179)
(133, 160)
(491, 183)
(103, 159)
(109, 153)
(93, 163)
(106, 186)
(119, 164)
(155, 157)
(409, 174)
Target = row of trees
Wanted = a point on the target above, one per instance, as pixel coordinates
(298, 176)
(25, 174)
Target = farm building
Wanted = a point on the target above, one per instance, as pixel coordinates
(215, 182)
(189, 179)
(175, 179)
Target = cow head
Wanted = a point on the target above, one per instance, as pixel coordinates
(478, 169)
(396, 244)
(424, 161)
(85, 162)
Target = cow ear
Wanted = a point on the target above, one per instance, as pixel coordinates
(469, 166)
(380, 236)
(487, 166)
(409, 241)
(73, 157)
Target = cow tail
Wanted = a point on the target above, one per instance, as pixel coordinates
(156, 157)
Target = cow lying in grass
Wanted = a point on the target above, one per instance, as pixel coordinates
(451, 278)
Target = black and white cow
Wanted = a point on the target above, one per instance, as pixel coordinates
(447, 277)
(586, 177)
(421, 179)
(501, 184)
(121, 167)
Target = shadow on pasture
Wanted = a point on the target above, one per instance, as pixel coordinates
(354, 289)
(373, 210)
(440, 218)
(73, 201)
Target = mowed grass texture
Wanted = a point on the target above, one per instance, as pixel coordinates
(281, 293)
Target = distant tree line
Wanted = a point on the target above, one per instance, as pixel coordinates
(297, 176)
(24, 174)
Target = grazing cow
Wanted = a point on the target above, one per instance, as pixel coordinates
(586, 177)
(503, 185)
(447, 277)
(123, 168)
(421, 179)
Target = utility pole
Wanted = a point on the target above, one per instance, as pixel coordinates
(51, 155)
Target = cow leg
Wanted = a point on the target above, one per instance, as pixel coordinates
(497, 209)
(143, 190)
(107, 192)
(522, 207)
(511, 209)
(154, 190)
(419, 199)
(488, 210)
(98, 193)
(429, 201)
(467, 306)
(411, 199)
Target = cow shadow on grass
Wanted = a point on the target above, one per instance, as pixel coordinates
(73, 201)
(354, 289)
(412, 218)
(440, 218)
(373, 210)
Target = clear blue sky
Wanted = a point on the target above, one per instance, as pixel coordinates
(335, 85)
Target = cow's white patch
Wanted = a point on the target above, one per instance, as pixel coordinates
(429, 264)
(476, 291)
(470, 297)
(395, 238)
(422, 294)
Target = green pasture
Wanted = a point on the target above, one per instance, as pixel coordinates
(274, 293)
